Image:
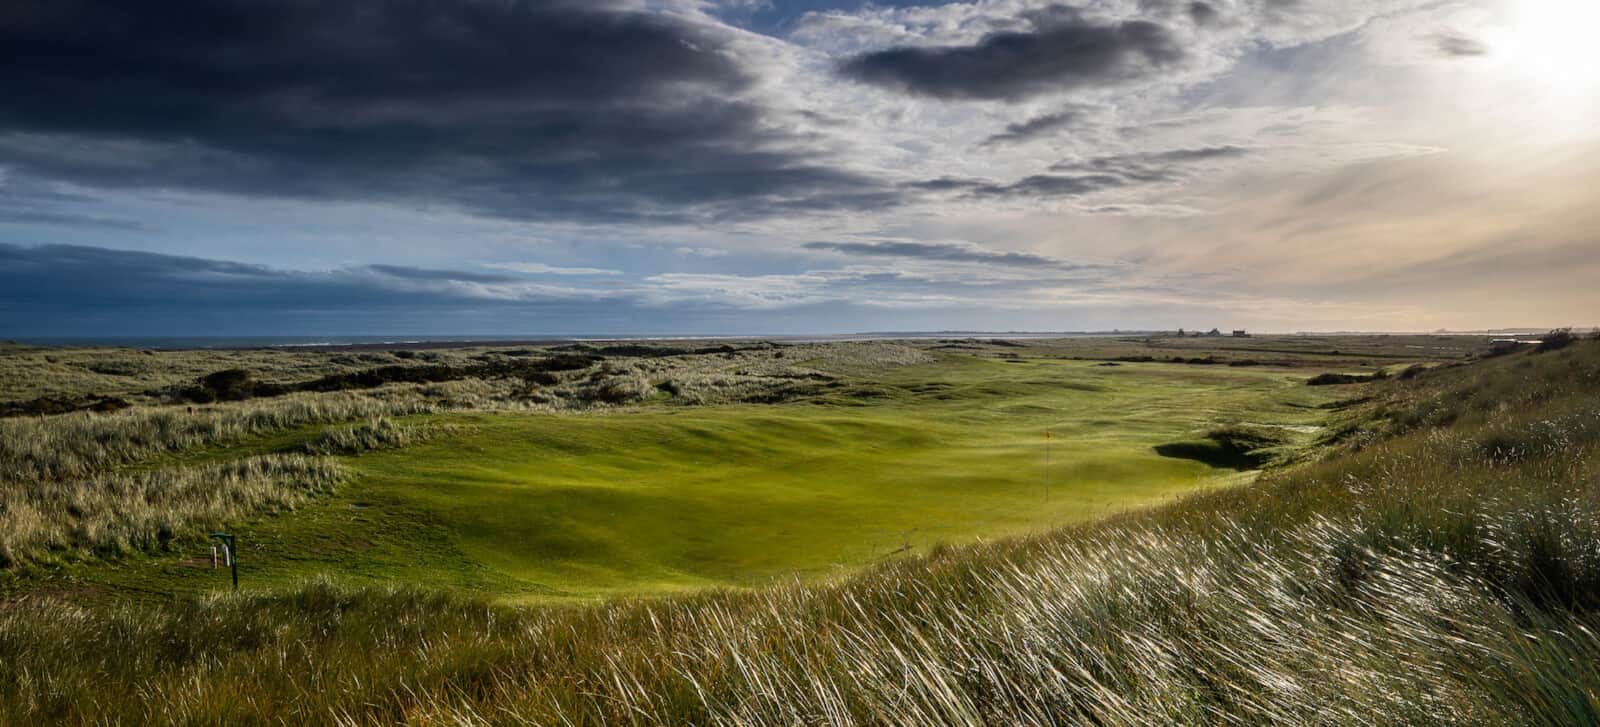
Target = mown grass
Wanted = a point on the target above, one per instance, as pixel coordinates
(1417, 577)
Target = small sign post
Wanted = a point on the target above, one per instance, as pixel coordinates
(231, 553)
(1047, 437)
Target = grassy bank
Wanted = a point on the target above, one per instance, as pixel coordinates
(1441, 568)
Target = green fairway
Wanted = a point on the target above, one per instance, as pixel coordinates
(664, 498)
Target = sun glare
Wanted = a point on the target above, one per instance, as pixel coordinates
(1550, 46)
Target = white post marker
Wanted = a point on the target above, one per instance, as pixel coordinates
(227, 553)
(1047, 438)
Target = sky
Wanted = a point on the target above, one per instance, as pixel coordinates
(656, 167)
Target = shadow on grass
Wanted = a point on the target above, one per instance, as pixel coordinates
(1234, 448)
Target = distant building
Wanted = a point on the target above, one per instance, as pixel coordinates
(1214, 333)
(1240, 333)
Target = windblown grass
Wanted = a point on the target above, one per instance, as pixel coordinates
(368, 436)
(1418, 578)
(114, 513)
(84, 444)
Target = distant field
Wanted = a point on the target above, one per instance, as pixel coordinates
(664, 499)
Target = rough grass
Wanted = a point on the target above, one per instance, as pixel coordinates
(79, 377)
(1414, 579)
(85, 444)
(368, 436)
(113, 513)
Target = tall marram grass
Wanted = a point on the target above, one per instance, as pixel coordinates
(108, 514)
(1420, 576)
(78, 445)
(371, 435)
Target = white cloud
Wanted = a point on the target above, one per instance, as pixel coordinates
(700, 251)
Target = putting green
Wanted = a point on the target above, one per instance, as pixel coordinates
(663, 498)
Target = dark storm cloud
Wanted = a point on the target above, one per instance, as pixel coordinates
(1203, 13)
(1054, 185)
(1035, 128)
(1079, 178)
(512, 108)
(944, 252)
(1063, 50)
(945, 184)
(1162, 166)
(1036, 186)
(1451, 44)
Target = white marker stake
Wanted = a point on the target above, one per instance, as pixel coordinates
(1047, 438)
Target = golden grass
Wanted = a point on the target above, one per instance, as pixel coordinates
(113, 513)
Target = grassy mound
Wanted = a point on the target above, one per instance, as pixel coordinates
(1418, 577)
(1234, 447)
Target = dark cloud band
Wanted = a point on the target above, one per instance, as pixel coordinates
(1064, 51)
(516, 108)
(943, 252)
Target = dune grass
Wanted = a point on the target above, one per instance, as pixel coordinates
(1420, 576)
(111, 514)
(368, 436)
(34, 449)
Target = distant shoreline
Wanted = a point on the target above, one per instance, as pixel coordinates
(425, 342)
(387, 343)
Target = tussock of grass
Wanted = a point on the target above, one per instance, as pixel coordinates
(114, 513)
(85, 444)
(1416, 579)
(368, 436)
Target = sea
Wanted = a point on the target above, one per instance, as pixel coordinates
(436, 341)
